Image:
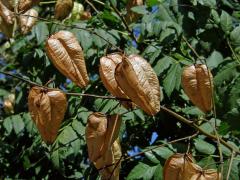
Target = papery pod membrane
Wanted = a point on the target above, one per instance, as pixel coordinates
(63, 8)
(47, 109)
(173, 166)
(132, 16)
(107, 74)
(117, 153)
(95, 135)
(28, 20)
(113, 127)
(197, 82)
(209, 174)
(110, 163)
(103, 147)
(66, 54)
(6, 29)
(10, 4)
(139, 82)
(24, 5)
(188, 170)
(6, 14)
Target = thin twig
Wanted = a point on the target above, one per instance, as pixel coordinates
(233, 52)
(90, 4)
(71, 27)
(195, 126)
(22, 79)
(179, 117)
(151, 149)
(123, 20)
(230, 165)
(212, 99)
(193, 50)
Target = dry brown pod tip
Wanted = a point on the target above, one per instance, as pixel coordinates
(47, 109)
(66, 54)
(139, 82)
(28, 20)
(107, 74)
(63, 8)
(6, 14)
(103, 146)
(24, 5)
(197, 83)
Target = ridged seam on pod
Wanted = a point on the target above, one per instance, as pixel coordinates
(103, 146)
(107, 74)
(28, 20)
(47, 109)
(139, 82)
(66, 54)
(197, 82)
(63, 8)
(24, 5)
(173, 166)
(6, 14)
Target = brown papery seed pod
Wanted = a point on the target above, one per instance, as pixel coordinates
(47, 109)
(107, 74)
(6, 14)
(63, 8)
(24, 5)
(6, 28)
(103, 147)
(28, 20)
(209, 174)
(66, 54)
(139, 82)
(10, 4)
(197, 82)
(132, 16)
(95, 135)
(174, 166)
(86, 15)
(110, 164)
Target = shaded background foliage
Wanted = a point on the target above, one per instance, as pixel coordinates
(212, 27)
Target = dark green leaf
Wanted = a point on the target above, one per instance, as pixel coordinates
(142, 171)
(214, 60)
(226, 22)
(204, 147)
(173, 79)
(41, 32)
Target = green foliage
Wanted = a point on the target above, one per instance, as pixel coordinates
(211, 27)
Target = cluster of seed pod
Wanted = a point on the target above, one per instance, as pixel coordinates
(26, 20)
(130, 78)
